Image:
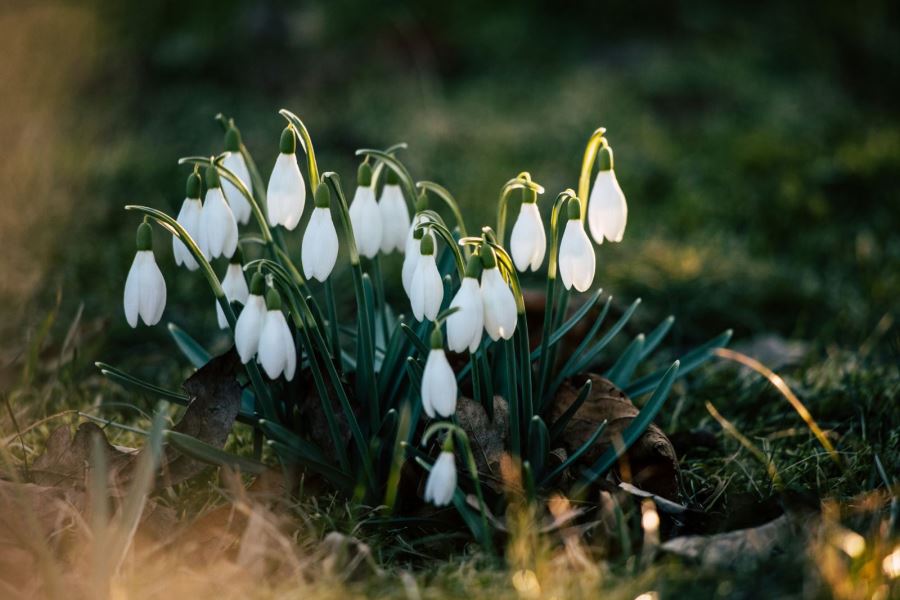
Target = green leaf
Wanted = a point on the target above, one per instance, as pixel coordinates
(689, 362)
(132, 382)
(595, 350)
(656, 336)
(290, 454)
(575, 456)
(568, 325)
(209, 454)
(417, 342)
(191, 348)
(630, 435)
(624, 367)
(287, 437)
(538, 444)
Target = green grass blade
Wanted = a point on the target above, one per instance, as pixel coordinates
(551, 477)
(689, 362)
(622, 370)
(132, 382)
(656, 336)
(191, 348)
(595, 350)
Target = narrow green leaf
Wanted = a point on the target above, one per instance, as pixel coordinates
(337, 477)
(560, 424)
(625, 365)
(595, 350)
(656, 336)
(417, 342)
(689, 362)
(211, 455)
(538, 444)
(287, 437)
(132, 382)
(551, 477)
(191, 348)
(558, 335)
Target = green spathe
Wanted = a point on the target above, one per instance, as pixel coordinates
(273, 299)
(364, 175)
(573, 209)
(605, 158)
(288, 142)
(322, 196)
(426, 248)
(192, 187)
(232, 140)
(212, 176)
(437, 338)
(257, 284)
(144, 237)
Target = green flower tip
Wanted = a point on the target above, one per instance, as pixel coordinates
(192, 188)
(605, 158)
(144, 236)
(418, 232)
(364, 175)
(422, 201)
(212, 176)
(391, 177)
(573, 209)
(426, 248)
(448, 443)
(488, 260)
(323, 196)
(238, 257)
(437, 338)
(232, 140)
(473, 266)
(288, 143)
(257, 284)
(529, 196)
(273, 299)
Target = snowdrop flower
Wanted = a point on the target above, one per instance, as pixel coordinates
(145, 288)
(607, 210)
(497, 299)
(277, 353)
(286, 194)
(320, 242)
(394, 215)
(218, 229)
(250, 322)
(441, 483)
(466, 326)
(438, 381)
(528, 242)
(365, 215)
(234, 162)
(427, 288)
(235, 286)
(576, 254)
(412, 253)
(189, 218)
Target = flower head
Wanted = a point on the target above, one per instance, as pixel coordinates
(286, 194)
(528, 242)
(394, 215)
(365, 215)
(277, 353)
(218, 229)
(413, 253)
(235, 286)
(189, 219)
(234, 162)
(497, 299)
(466, 326)
(250, 322)
(439, 389)
(426, 291)
(576, 254)
(607, 210)
(441, 483)
(319, 250)
(145, 288)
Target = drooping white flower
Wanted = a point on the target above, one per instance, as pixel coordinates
(234, 162)
(235, 286)
(145, 288)
(286, 194)
(497, 299)
(394, 215)
(250, 322)
(427, 289)
(218, 229)
(441, 483)
(528, 242)
(412, 253)
(189, 219)
(320, 242)
(576, 254)
(466, 326)
(439, 389)
(607, 210)
(277, 353)
(365, 215)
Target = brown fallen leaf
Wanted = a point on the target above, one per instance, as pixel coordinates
(488, 438)
(733, 548)
(66, 459)
(650, 463)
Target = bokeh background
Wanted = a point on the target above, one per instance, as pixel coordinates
(758, 144)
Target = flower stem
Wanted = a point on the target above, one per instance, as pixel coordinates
(594, 144)
(520, 181)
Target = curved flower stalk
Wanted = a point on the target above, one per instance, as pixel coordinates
(528, 243)
(250, 322)
(286, 194)
(277, 353)
(235, 286)
(145, 288)
(189, 218)
(497, 299)
(365, 216)
(441, 483)
(320, 242)
(395, 224)
(218, 230)
(607, 211)
(577, 261)
(427, 288)
(234, 162)
(465, 327)
(523, 182)
(439, 390)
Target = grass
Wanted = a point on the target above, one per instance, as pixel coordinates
(761, 199)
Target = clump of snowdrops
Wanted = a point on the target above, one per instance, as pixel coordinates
(386, 377)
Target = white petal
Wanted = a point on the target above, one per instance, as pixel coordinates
(218, 225)
(366, 220)
(286, 194)
(234, 162)
(235, 287)
(464, 327)
(319, 250)
(439, 390)
(427, 289)
(499, 305)
(441, 483)
(152, 289)
(249, 326)
(189, 219)
(394, 219)
(272, 353)
(576, 257)
(133, 290)
(607, 209)
(528, 241)
(290, 365)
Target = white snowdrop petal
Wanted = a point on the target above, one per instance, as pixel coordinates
(499, 305)
(218, 225)
(607, 209)
(249, 326)
(234, 162)
(394, 219)
(366, 220)
(528, 241)
(465, 325)
(439, 384)
(319, 250)
(441, 483)
(153, 289)
(290, 359)
(286, 193)
(271, 353)
(133, 291)
(577, 262)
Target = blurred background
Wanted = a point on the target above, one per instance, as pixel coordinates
(758, 144)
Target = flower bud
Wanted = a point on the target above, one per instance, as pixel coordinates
(273, 299)
(288, 142)
(144, 237)
(232, 140)
(364, 175)
(192, 188)
(212, 176)
(322, 196)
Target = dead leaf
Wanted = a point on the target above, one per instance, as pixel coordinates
(734, 547)
(651, 460)
(488, 438)
(66, 459)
